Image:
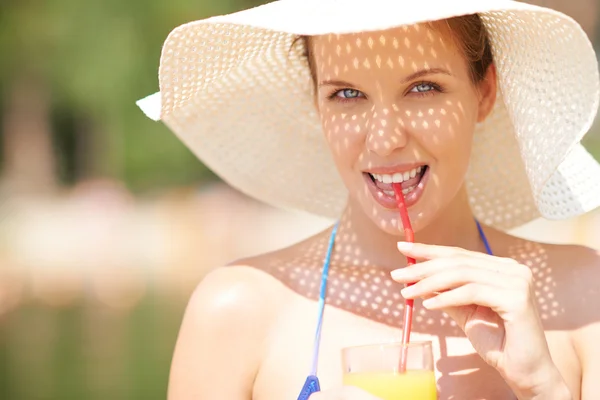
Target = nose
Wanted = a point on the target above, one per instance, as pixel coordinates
(385, 131)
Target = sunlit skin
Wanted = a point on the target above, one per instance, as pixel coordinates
(515, 323)
(388, 105)
(394, 100)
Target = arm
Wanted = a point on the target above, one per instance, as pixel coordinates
(221, 340)
(587, 343)
(586, 338)
(579, 296)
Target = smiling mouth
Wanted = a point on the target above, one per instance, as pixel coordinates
(409, 180)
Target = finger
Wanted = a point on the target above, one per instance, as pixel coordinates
(429, 251)
(415, 273)
(469, 294)
(453, 278)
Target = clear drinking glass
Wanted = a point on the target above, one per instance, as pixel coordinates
(376, 369)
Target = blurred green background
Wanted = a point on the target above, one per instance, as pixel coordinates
(107, 222)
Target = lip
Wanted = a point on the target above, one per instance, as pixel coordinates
(389, 202)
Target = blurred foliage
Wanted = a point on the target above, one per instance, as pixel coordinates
(89, 351)
(97, 58)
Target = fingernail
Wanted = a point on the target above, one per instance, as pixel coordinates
(400, 273)
(428, 303)
(407, 292)
(405, 246)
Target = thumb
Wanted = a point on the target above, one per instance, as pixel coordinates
(460, 315)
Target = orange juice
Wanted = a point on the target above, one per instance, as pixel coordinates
(412, 385)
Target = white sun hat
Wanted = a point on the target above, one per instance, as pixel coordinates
(238, 92)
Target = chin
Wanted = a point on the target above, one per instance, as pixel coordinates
(421, 215)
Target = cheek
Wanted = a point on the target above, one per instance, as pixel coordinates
(344, 131)
(442, 127)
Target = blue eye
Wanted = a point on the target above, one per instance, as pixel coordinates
(349, 94)
(423, 88)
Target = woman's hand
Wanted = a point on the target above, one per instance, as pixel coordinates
(492, 300)
(343, 393)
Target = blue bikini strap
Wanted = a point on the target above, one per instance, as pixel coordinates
(311, 385)
(488, 248)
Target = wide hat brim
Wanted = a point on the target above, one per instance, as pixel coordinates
(239, 94)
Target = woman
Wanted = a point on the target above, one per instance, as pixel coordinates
(477, 108)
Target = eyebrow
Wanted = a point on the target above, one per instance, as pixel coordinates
(416, 75)
(428, 71)
(334, 83)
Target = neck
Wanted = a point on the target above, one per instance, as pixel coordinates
(453, 226)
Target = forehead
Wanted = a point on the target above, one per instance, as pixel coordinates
(407, 48)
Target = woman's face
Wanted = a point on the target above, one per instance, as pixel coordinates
(399, 106)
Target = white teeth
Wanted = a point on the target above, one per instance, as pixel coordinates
(404, 191)
(398, 177)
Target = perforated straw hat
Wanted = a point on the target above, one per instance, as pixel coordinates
(240, 96)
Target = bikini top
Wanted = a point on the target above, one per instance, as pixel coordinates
(311, 385)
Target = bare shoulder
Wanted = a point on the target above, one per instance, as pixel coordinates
(234, 291)
(576, 303)
(223, 334)
(237, 297)
(566, 279)
(251, 286)
(567, 287)
(573, 275)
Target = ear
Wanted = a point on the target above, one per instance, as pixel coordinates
(487, 93)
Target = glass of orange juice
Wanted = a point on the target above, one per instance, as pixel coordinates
(376, 369)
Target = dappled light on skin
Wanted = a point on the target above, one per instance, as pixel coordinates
(461, 108)
(373, 112)
(362, 286)
(397, 97)
(536, 258)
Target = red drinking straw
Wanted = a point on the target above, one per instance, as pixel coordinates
(409, 236)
